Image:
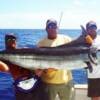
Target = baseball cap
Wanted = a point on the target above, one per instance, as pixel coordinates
(91, 25)
(10, 37)
(51, 24)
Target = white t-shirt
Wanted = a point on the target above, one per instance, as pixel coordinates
(96, 69)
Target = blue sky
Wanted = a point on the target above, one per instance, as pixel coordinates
(34, 13)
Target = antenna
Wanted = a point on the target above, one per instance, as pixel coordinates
(60, 19)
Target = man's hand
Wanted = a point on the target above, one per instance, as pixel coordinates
(88, 39)
(50, 70)
(39, 72)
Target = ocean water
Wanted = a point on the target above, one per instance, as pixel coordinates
(29, 38)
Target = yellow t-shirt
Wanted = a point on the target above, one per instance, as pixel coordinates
(55, 76)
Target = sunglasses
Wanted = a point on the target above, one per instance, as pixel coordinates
(11, 40)
(93, 27)
(51, 26)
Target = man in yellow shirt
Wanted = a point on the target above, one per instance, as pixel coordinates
(55, 82)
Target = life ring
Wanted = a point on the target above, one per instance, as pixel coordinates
(3, 67)
(26, 84)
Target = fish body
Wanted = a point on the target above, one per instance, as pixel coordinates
(60, 58)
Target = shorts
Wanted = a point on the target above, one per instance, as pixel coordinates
(64, 91)
(94, 87)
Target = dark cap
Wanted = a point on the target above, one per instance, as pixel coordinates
(91, 24)
(10, 36)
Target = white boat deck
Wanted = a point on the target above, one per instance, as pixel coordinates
(80, 92)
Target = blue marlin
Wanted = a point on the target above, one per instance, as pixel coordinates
(70, 56)
(58, 57)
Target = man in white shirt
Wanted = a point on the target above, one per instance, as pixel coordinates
(94, 76)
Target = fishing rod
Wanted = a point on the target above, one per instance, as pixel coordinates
(60, 19)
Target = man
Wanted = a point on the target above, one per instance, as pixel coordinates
(94, 76)
(10, 43)
(16, 71)
(55, 82)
